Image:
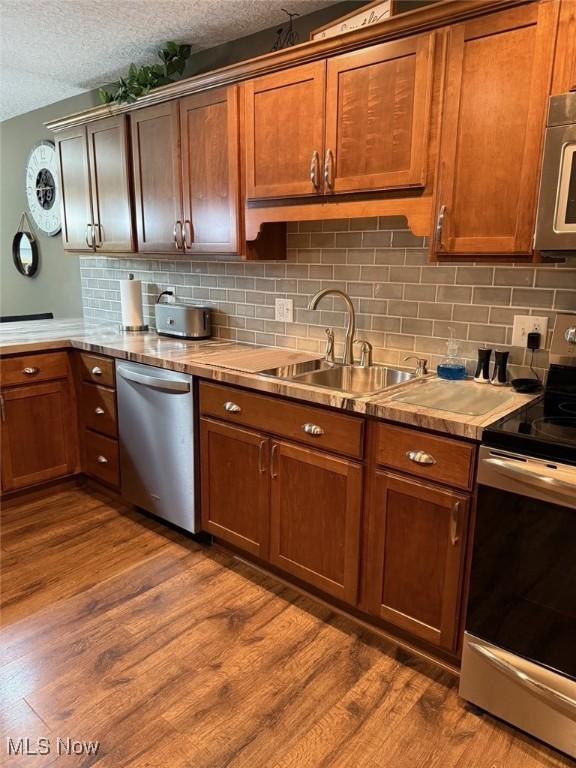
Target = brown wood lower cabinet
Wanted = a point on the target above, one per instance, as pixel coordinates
(235, 485)
(315, 518)
(295, 507)
(38, 433)
(415, 545)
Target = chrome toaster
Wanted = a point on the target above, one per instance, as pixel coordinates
(187, 321)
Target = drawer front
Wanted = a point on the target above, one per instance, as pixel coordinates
(101, 458)
(434, 458)
(97, 369)
(302, 423)
(98, 409)
(26, 369)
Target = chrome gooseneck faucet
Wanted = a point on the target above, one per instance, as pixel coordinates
(350, 320)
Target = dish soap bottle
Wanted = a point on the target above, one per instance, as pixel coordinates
(452, 367)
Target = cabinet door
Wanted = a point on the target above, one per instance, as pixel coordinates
(235, 485)
(210, 170)
(315, 518)
(497, 81)
(157, 178)
(76, 206)
(414, 552)
(110, 184)
(285, 132)
(38, 434)
(378, 114)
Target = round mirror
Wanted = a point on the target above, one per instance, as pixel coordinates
(25, 254)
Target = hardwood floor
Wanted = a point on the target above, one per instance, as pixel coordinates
(170, 654)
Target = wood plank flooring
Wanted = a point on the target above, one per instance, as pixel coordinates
(119, 630)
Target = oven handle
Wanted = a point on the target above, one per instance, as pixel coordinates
(559, 700)
(529, 476)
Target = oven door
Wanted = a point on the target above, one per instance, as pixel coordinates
(556, 221)
(519, 658)
(523, 578)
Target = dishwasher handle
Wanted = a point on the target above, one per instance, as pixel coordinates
(155, 382)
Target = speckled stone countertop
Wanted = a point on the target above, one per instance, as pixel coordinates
(194, 358)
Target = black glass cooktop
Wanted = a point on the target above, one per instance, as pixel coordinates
(546, 429)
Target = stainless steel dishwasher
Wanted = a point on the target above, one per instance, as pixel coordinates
(156, 431)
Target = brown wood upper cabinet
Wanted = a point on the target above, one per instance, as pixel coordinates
(358, 122)
(186, 174)
(414, 552)
(94, 175)
(497, 83)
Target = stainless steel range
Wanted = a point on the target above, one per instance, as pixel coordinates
(519, 656)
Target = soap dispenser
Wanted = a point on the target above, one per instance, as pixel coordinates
(452, 367)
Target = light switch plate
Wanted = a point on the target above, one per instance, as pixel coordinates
(525, 324)
(284, 310)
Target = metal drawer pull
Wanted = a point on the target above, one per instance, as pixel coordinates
(30, 371)
(98, 411)
(232, 407)
(273, 471)
(102, 460)
(440, 226)
(329, 170)
(179, 241)
(315, 170)
(96, 371)
(420, 457)
(261, 467)
(312, 429)
(454, 515)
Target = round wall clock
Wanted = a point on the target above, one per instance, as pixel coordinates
(43, 188)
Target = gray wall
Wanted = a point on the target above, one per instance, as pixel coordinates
(56, 287)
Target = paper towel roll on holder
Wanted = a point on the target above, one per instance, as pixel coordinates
(133, 311)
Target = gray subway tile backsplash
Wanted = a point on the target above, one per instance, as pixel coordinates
(403, 303)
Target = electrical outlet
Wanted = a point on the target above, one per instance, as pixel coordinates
(171, 299)
(284, 310)
(525, 324)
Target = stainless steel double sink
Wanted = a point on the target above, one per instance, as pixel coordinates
(349, 379)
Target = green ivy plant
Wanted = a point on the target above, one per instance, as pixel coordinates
(141, 80)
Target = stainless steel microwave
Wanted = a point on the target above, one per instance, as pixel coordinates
(556, 220)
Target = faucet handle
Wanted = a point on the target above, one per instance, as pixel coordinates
(421, 364)
(329, 351)
(365, 353)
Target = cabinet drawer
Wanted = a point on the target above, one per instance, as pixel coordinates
(98, 409)
(99, 370)
(26, 369)
(101, 458)
(305, 424)
(435, 458)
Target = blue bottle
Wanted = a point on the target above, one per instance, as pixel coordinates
(452, 367)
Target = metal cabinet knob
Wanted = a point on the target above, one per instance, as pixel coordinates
(96, 371)
(30, 370)
(98, 411)
(312, 429)
(232, 407)
(420, 457)
(102, 460)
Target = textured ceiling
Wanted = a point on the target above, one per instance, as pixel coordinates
(54, 49)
